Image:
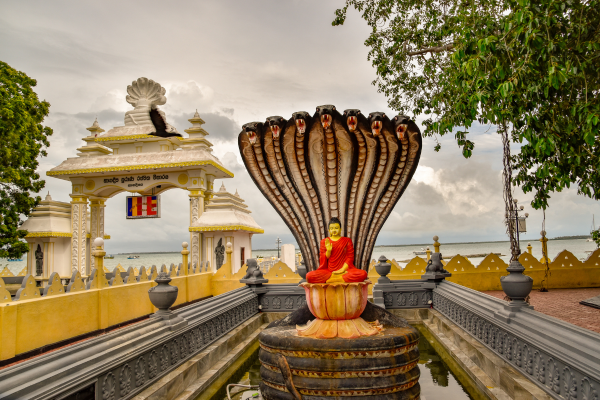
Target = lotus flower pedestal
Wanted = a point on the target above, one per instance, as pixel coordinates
(337, 308)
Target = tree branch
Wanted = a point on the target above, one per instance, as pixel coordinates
(439, 49)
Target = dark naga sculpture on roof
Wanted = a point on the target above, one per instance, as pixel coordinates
(349, 166)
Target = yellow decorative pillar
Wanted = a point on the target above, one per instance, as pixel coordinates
(529, 248)
(96, 221)
(184, 256)
(436, 244)
(79, 205)
(428, 252)
(99, 253)
(228, 252)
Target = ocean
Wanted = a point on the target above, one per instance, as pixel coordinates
(579, 247)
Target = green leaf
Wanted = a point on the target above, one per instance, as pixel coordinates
(23, 141)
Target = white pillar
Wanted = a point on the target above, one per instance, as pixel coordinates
(31, 256)
(96, 222)
(196, 210)
(78, 231)
(209, 192)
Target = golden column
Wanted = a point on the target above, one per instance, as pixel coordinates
(98, 253)
(184, 256)
(436, 244)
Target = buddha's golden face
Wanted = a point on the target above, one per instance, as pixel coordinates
(335, 230)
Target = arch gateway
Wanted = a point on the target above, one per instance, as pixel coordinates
(132, 158)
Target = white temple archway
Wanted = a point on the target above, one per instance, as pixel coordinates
(129, 158)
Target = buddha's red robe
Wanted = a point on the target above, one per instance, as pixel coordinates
(342, 252)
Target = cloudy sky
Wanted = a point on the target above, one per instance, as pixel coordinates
(236, 62)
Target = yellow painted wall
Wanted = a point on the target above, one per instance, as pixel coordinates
(199, 286)
(224, 281)
(281, 273)
(181, 283)
(566, 271)
(26, 325)
(127, 302)
(48, 320)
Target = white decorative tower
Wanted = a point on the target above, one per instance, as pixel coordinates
(226, 218)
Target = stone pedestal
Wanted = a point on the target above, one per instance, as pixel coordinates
(383, 366)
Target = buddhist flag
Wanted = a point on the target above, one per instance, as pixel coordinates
(143, 207)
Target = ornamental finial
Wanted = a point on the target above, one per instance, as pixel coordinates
(146, 92)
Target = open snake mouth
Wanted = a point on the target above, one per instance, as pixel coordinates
(326, 120)
(275, 129)
(251, 136)
(301, 126)
(376, 127)
(352, 123)
(401, 131)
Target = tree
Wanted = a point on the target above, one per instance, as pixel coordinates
(596, 237)
(527, 67)
(22, 140)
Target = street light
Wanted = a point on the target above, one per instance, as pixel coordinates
(516, 285)
(278, 242)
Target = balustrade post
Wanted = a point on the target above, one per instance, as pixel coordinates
(162, 297)
(517, 287)
(383, 283)
(228, 252)
(436, 244)
(184, 256)
(99, 254)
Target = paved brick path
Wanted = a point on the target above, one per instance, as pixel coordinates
(564, 304)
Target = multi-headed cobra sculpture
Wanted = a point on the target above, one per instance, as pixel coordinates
(347, 166)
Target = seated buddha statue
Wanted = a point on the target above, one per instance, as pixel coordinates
(336, 260)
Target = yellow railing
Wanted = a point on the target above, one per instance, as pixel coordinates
(37, 320)
(566, 271)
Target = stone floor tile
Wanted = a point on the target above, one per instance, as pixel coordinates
(564, 305)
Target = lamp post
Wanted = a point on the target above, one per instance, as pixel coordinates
(516, 285)
(278, 242)
(518, 226)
